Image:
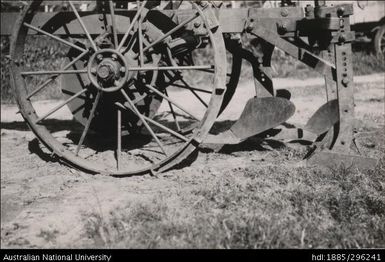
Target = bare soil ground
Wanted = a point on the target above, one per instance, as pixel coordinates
(243, 196)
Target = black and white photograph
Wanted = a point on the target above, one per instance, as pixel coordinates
(154, 124)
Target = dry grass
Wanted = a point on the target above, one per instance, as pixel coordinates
(270, 204)
(254, 207)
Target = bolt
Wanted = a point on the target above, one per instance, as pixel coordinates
(99, 57)
(342, 38)
(197, 24)
(122, 70)
(309, 12)
(282, 28)
(93, 70)
(202, 3)
(144, 27)
(250, 27)
(340, 11)
(104, 71)
(236, 37)
(345, 81)
(284, 13)
(114, 57)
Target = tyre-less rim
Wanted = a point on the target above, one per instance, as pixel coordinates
(106, 71)
(379, 41)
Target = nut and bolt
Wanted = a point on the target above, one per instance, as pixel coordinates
(201, 3)
(341, 11)
(122, 70)
(197, 24)
(99, 57)
(345, 81)
(309, 10)
(250, 26)
(93, 70)
(284, 13)
(282, 28)
(114, 57)
(144, 27)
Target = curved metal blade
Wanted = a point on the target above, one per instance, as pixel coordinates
(259, 115)
(324, 118)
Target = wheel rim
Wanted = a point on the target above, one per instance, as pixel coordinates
(115, 68)
(379, 41)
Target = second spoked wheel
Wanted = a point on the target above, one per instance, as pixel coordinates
(140, 93)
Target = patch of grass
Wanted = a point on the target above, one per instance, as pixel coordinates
(41, 53)
(256, 207)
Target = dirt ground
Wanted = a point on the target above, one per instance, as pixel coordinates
(44, 203)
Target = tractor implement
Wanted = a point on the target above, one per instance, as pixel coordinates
(146, 81)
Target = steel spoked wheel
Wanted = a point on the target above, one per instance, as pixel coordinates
(379, 41)
(134, 97)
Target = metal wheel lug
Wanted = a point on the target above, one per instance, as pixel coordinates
(122, 69)
(114, 57)
(93, 70)
(99, 57)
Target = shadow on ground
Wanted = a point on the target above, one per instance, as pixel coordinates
(262, 142)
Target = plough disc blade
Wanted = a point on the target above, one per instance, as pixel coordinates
(325, 117)
(259, 115)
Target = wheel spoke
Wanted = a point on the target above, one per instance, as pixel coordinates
(195, 94)
(172, 132)
(173, 102)
(119, 139)
(61, 105)
(191, 88)
(211, 71)
(173, 112)
(131, 25)
(113, 21)
(167, 68)
(136, 111)
(55, 37)
(189, 20)
(88, 124)
(42, 86)
(63, 72)
(140, 36)
(83, 26)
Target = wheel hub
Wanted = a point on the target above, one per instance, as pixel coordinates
(107, 70)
